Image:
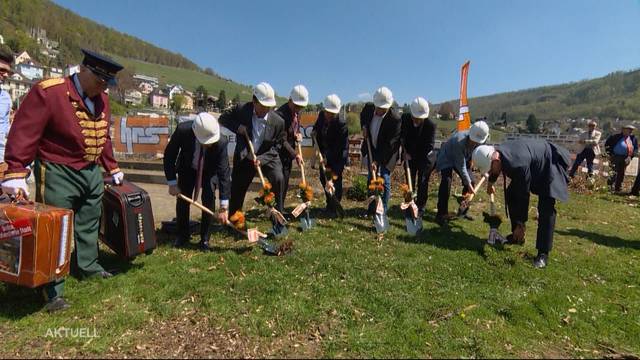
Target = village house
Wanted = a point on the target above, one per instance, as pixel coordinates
(132, 97)
(158, 99)
(145, 88)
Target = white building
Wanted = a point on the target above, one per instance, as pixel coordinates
(133, 97)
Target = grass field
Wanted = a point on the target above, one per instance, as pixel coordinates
(343, 293)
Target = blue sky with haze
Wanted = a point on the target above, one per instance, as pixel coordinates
(414, 47)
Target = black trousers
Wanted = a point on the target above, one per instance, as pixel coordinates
(420, 174)
(619, 166)
(337, 184)
(242, 175)
(286, 174)
(586, 154)
(186, 183)
(445, 190)
(518, 206)
(635, 190)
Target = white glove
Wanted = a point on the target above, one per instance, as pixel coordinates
(117, 178)
(15, 186)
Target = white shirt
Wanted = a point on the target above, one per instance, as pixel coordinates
(259, 125)
(374, 128)
(87, 101)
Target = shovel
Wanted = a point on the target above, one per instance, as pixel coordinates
(411, 218)
(279, 228)
(464, 202)
(380, 220)
(332, 202)
(306, 222)
(494, 222)
(253, 235)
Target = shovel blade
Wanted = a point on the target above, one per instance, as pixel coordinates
(414, 226)
(306, 222)
(279, 231)
(268, 247)
(381, 222)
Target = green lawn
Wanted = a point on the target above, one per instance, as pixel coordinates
(343, 293)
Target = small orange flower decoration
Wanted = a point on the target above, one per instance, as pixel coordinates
(238, 220)
(306, 192)
(266, 196)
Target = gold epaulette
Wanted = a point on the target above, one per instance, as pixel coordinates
(51, 82)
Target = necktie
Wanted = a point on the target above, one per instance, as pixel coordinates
(294, 124)
(199, 174)
(629, 144)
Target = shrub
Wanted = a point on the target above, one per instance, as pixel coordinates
(358, 190)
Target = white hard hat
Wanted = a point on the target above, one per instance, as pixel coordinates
(265, 94)
(479, 132)
(482, 156)
(383, 98)
(332, 104)
(420, 108)
(299, 95)
(206, 128)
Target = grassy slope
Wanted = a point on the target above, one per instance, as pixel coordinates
(444, 294)
(189, 79)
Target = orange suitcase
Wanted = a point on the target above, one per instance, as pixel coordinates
(35, 243)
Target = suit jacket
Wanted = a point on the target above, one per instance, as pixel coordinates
(418, 142)
(388, 137)
(288, 150)
(615, 138)
(536, 166)
(456, 154)
(333, 141)
(178, 158)
(591, 140)
(274, 134)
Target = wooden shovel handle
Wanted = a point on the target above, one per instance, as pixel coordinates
(253, 154)
(304, 180)
(475, 189)
(370, 154)
(492, 208)
(196, 204)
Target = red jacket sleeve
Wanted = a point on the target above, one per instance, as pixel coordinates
(25, 133)
(107, 160)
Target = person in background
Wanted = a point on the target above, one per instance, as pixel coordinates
(5, 100)
(332, 135)
(590, 139)
(418, 140)
(621, 148)
(197, 154)
(455, 155)
(290, 113)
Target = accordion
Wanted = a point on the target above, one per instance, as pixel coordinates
(35, 243)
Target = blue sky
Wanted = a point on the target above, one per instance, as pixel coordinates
(414, 47)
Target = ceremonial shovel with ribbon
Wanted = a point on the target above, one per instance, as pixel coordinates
(411, 219)
(237, 224)
(306, 195)
(494, 222)
(376, 187)
(267, 198)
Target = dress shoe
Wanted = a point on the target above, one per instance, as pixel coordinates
(467, 216)
(512, 241)
(204, 246)
(179, 242)
(104, 274)
(56, 304)
(540, 261)
(442, 221)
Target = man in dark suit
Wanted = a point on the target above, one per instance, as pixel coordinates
(290, 112)
(332, 135)
(265, 128)
(418, 139)
(381, 124)
(534, 166)
(198, 155)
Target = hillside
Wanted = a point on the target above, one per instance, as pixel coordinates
(189, 79)
(609, 97)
